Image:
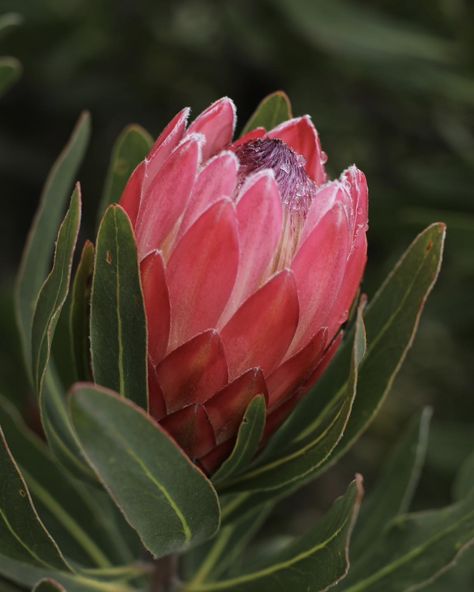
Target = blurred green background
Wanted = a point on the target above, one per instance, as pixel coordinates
(390, 86)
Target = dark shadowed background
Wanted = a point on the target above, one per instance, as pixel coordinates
(390, 86)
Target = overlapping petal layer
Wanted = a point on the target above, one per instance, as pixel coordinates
(245, 293)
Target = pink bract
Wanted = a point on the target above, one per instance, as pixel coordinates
(250, 260)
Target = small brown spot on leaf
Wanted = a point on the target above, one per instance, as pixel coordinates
(429, 246)
(22, 492)
(108, 257)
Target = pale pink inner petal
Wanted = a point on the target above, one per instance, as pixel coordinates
(261, 330)
(216, 180)
(302, 136)
(258, 132)
(323, 201)
(167, 198)
(167, 141)
(217, 123)
(319, 267)
(201, 272)
(157, 304)
(259, 215)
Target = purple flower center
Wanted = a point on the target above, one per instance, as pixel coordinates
(296, 188)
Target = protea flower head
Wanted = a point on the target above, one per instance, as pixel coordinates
(250, 259)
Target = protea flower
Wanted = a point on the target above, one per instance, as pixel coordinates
(250, 259)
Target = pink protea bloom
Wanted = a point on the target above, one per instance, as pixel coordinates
(250, 259)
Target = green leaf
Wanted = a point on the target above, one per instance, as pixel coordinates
(162, 494)
(9, 20)
(395, 487)
(210, 561)
(281, 471)
(23, 537)
(415, 549)
(131, 147)
(54, 291)
(59, 431)
(10, 70)
(248, 439)
(273, 110)
(313, 563)
(118, 322)
(79, 320)
(9, 587)
(40, 244)
(71, 514)
(465, 478)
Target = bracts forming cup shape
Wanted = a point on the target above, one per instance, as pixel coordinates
(250, 260)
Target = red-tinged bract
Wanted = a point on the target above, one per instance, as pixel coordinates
(250, 260)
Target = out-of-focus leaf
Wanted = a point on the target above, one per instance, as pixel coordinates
(415, 549)
(39, 247)
(394, 489)
(79, 319)
(314, 562)
(70, 513)
(248, 440)
(465, 478)
(54, 291)
(274, 109)
(23, 536)
(131, 147)
(10, 70)
(307, 456)
(9, 587)
(341, 27)
(9, 20)
(162, 494)
(118, 322)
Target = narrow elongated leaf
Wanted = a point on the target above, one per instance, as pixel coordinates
(131, 147)
(313, 563)
(162, 494)
(71, 514)
(212, 560)
(79, 320)
(10, 70)
(118, 322)
(58, 428)
(273, 110)
(54, 292)
(464, 479)
(415, 549)
(39, 247)
(308, 455)
(28, 575)
(395, 487)
(248, 440)
(23, 536)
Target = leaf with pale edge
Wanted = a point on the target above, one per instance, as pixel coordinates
(314, 562)
(118, 323)
(166, 498)
(54, 291)
(40, 244)
(23, 537)
(248, 439)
